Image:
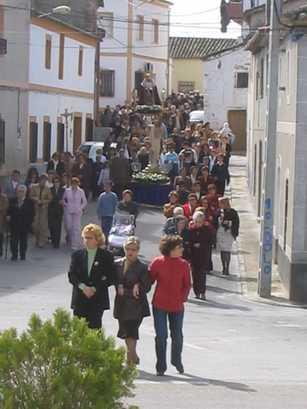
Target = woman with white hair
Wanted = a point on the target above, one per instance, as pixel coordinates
(201, 238)
(131, 305)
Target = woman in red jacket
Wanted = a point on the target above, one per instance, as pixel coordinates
(190, 207)
(172, 275)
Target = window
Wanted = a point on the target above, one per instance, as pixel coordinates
(138, 79)
(155, 24)
(33, 141)
(61, 56)
(107, 83)
(80, 62)
(2, 141)
(242, 80)
(105, 21)
(140, 20)
(48, 47)
(47, 142)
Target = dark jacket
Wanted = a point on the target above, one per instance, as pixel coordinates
(201, 240)
(55, 209)
(59, 169)
(126, 307)
(21, 218)
(130, 207)
(101, 277)
(221, 173)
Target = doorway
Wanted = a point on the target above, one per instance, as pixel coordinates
(237, 122)
(77, 132)
(89, 129)
(60, 137)
(260, 179)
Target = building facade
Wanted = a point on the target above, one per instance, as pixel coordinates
(14, 73)
(47, 71)
(61, 81)
(136, 41)
(187, 55)
(225, 93)
(290, 215)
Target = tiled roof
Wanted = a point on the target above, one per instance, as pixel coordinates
(195, 47)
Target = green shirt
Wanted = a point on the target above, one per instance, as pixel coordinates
(91, 254)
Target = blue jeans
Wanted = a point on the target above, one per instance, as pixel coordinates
(106, 224)
(175, 320)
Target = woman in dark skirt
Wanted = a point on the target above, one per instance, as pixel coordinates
(131, 304)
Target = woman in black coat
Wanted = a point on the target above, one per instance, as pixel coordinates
(201, 240)
(131, 304)
(92, 272)
(55, 212)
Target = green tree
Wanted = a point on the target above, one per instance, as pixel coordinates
(62, 364)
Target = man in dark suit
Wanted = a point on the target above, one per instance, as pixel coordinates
(55, 212)
(92, 271)
(20, 217)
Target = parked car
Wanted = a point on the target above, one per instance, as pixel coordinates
(197, 116)
(92, 149)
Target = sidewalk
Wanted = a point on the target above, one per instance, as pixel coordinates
(248, 242)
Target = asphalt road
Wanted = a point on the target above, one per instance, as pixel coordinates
(237, 354)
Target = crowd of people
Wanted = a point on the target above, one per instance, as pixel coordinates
(199, 218)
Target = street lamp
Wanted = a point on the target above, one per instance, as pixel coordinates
(62, 10)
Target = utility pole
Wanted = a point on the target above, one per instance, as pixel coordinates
(66, 116)
(267, 219)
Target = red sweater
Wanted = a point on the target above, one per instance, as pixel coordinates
(173, 283)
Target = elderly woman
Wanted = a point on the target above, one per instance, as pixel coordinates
(75, 202)
(127, 205)
(4, 204)
(91, 272)
(172, 275)
(227, 232)
(201, 240)
(131, 304)
(171, 222)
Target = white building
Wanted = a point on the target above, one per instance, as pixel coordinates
(61, 78)
(225, 92)
(137, 36)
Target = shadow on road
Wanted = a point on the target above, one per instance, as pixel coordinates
(194, 380)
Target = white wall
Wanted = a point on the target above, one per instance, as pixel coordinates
(220, 92)
(40, 75)
(53, 103)
(119, 65)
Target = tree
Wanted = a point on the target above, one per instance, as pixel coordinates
(62, 364)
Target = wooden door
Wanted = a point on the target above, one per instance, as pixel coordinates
(77, 132)
(60, 137)
(89, 129)
(33, 142)
(47, 142)
(237, 123)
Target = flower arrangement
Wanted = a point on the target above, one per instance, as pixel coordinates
(148, 109)
(151, 175)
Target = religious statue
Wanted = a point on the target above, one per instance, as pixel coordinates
(148, 92)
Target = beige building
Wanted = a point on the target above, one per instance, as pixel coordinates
(187, 55)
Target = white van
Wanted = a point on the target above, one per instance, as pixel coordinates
(197, 117)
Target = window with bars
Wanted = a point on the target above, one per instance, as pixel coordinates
(2, 141)
(107, 83)
(33, 141)
(242, 80)
(48, 48)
